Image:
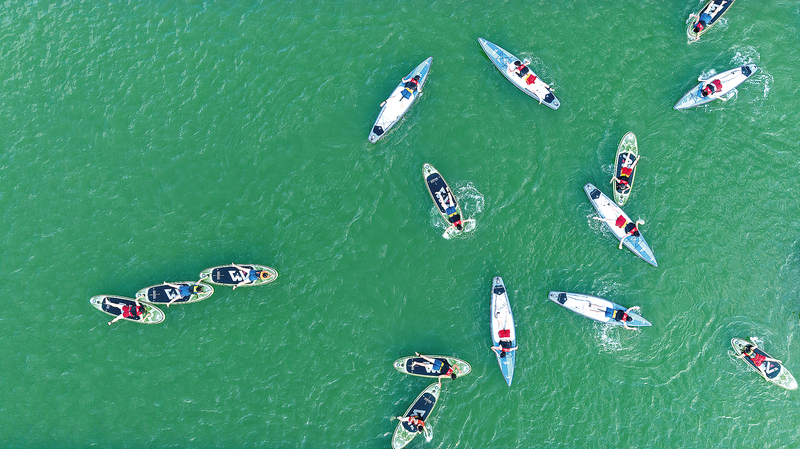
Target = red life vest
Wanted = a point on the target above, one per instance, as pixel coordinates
(530, 79)
(717, 84)
(621, 221)
(758, 359)
(626, 171)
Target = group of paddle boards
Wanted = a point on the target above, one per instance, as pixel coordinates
(520, 74)
(722, 86)
(415, 420)
(504, 345)
(143, 307)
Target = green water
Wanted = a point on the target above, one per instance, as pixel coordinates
(144, 142)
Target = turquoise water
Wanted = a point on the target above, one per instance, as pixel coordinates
(145, 142)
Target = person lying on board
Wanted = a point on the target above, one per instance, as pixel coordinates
(519, 68)
(505, 344)
(631, 229)
(414, 420)
(185, 291)
(749, 351)
(410, 85)
(435, 366)
(623, 184)
(449, 206)
(711, 89)
(136, 312)
(251, 275)
(702, 21)
(623, 317)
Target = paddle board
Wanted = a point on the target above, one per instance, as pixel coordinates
(598, 309)
(419, 366)
(105, 303)
(503, 331)
(527, 82)
(175, 293)
(400, 101)
(608, 210)
(421, 408)
(443, 197)
(232, 276)
(710, 14)
(772, 371)
(728, 80)
(627, 155)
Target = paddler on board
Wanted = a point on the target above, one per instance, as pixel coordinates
(449, 206)
(711, 89)
(185, 291)
(251, 275)
(435, 366)
(702, 21)
(410, 85)
(504, 347)
(135, 313)
(623, 182)
(414, 420)
(532, 82)
(758, 360)
(631, 229)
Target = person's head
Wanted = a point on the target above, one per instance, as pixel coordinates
(517, 63)
(636, 233)
(197, 288)
(699, 27)
(416, 77)
(453, 375)
(263, 275)
(502, 354)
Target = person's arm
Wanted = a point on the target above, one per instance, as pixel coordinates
(623, 239)
(245, 281)
(116, 318)
(607, 220)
